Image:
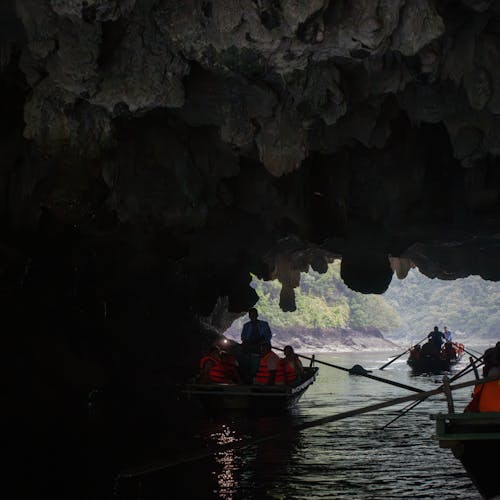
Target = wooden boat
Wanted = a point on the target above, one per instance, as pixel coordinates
(474, 439)
(260, 398)
(432, 364)
(429, 365)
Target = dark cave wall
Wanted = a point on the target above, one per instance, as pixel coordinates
(154, 153)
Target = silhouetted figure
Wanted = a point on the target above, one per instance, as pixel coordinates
(253, 333)
(415, 353)
(486, 397)
(429, 351)
(436, 337)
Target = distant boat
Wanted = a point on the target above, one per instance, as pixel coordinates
(248, 397)
(434, 364)
(474, 439)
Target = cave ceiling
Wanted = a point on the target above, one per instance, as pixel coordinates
(152, 144)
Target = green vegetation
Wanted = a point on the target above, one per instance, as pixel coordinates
(409, 308)
(323, 301)
(468, 305)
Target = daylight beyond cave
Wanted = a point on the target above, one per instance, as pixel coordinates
(331, 317)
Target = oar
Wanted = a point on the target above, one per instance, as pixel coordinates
(461, 373)
(402, 354)
(358, 370)
(159, 466)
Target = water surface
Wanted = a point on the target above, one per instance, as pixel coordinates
(353, 458)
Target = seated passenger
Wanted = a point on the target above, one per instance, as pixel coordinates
(491, 362)
(266, 373)
(429, 350)
(231, 367)
(415, 352)
(290, 369)
(212, 370)
(448, 352)
(486, 397)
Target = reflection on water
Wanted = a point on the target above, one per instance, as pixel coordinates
(228, 460)
(352, 458)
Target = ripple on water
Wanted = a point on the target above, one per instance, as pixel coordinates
(349, 459)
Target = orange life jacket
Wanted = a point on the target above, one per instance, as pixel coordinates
(263, 373)
(286, 373)
(489, 399)
(217, 373)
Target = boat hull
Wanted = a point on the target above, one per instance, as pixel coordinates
(474, 439)
(252, 398)
(430, 365)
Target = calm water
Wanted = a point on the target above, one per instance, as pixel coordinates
(350, 459)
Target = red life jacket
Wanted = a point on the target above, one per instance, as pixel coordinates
(263, 373)
(217, 373)
(286, 373)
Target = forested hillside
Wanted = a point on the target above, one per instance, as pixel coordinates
(407, 311)
(469, 306)
(328, 315)
(323, 301)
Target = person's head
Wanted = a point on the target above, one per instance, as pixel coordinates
(288, 350)
(445, 328)
(436, 329)
(252, 314)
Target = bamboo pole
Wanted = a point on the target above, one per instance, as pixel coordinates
(358, 370)
(402, 354)
(460, 374)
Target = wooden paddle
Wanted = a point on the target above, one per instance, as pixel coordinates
(402, 354)
(357, 370)
(159, 466)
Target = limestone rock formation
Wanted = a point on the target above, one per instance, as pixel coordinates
(154, 153)
(377, 121)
